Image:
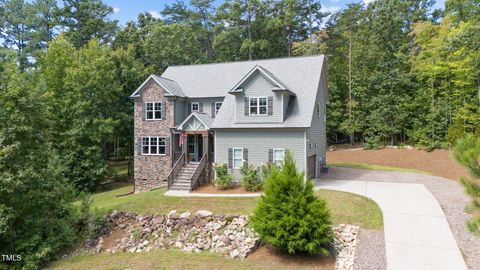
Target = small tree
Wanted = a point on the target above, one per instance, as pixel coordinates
(289, 216)
(467, 153)
(251, 180)
(223, 179)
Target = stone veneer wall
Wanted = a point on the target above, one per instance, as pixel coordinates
(151, 171)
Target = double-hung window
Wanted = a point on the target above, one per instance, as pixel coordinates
(237, 157)
(258, 106)
(153, 146)
(278, 155)
(217, 107)
(195, 107)
(153, 110)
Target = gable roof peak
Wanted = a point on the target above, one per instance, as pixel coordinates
(278, 84)
(170, 86)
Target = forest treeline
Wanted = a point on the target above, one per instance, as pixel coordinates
(398, 72)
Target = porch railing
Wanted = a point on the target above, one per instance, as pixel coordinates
(175, 170)
(194, 182)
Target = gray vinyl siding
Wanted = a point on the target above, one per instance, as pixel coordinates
(258, 86)
(207, 103)
(258, 142)
(180, 111)
(286, 99)
(317, 132)
(181, 107)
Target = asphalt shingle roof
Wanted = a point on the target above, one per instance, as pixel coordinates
(300, 74)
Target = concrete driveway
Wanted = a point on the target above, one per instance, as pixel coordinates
(417, 234)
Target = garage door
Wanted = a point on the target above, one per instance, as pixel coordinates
(311, 167)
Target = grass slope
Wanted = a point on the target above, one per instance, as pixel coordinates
(374, 167)
(345, 207)
(175, 259)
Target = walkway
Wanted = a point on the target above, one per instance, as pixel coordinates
(417, 234)
(184, 193)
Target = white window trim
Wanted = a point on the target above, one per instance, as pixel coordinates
(153, 110)
(233, 157)
(215, 110)
(258, 106)
(198, 106)
(278, 149)
(158, 145)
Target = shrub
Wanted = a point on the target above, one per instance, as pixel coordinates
(373, 142)
(223, 179)
(251, 180)
(265, 170)
(289, 216)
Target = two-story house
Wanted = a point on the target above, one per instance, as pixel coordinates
(251, 111)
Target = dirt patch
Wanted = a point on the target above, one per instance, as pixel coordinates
(210, 188)
(438, 162)
(279, 259)
(109, 242)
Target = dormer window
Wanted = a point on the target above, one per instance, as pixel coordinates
(217, 107)
(195, 107)
(258, 106)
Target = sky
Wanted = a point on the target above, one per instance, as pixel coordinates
(127, 10)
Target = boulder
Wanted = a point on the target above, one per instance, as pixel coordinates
(204, 213)
(185, 215)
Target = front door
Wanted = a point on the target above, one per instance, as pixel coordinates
(195, 147)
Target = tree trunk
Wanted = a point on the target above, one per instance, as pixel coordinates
(350, 116)
(249, 31)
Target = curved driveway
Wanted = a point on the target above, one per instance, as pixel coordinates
(417, 233)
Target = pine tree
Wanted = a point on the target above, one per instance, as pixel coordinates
(467, 153)
(289, 216)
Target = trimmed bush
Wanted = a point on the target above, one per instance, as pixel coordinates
(251, 180)
(223, 178)
(289, 216)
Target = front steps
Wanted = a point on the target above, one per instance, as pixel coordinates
(183, 179)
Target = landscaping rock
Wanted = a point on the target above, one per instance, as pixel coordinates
(229, 236)
(204, 213)
(345, 237)
(202, 231)
(185, 215)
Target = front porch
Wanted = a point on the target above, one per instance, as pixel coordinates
(193, 153)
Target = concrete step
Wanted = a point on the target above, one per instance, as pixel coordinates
(181, 181)
(180, 185)
(183, 184)
(179, 188)
(184, 175)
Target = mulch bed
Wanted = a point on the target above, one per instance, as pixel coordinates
(211, 189)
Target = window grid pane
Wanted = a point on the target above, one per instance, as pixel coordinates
(195, 107)
(253, 106)
(237, 158)
(145, 147)
(153, 145)
(161, 146)
(217, 107)
(278, 156)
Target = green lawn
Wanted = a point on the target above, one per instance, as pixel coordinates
(175, 259)
(345, 207)
(374, 167)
